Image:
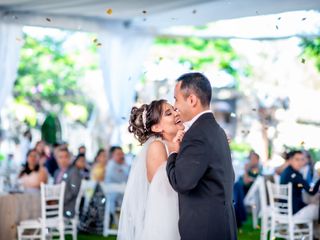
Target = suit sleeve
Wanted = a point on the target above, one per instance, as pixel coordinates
(186, 168)
(300, 182)
(73, 183)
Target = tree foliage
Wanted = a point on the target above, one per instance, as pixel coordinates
(311, 49)
(48, 76)
(201, 53)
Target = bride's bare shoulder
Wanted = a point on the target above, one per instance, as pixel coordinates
(156, 156)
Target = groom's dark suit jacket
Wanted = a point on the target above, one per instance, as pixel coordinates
(203, 176)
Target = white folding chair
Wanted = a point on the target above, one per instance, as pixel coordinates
(108, 189)
(283, 222)
(51, 222)
(257, 199)
(71, 224)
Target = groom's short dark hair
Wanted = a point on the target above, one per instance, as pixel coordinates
(198, 84)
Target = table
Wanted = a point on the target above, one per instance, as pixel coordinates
(17, 207)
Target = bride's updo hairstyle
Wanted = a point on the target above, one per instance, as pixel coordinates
(143, 118)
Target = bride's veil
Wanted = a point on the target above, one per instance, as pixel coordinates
(135, 199)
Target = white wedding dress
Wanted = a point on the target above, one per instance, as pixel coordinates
(149, 211)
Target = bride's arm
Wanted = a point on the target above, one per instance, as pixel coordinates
(156, 155)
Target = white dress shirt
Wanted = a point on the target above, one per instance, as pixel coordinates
(188, 124)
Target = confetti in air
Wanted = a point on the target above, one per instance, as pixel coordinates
(103, 200)
(303, 19)
(194, 11)
(303, 60)
(277, 27)
(109, 11)
(144, 12)
(254, 109)
(233, 115)
(279, 18)
(48, 19)
(99, 44)
(95, 40)
(302, 143)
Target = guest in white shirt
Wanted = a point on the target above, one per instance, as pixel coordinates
(117, 172)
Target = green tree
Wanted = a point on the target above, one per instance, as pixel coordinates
(311, 49)
(202, 53)
(48, 76)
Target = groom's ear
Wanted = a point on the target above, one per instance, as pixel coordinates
(193, 100)
(156, 128)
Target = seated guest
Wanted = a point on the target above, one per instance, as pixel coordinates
(51, 163)
(283, 166)
(99, 166)
(32, 175)
(117, 172)
(41, 150)
(292, 175)
(63, 159)
(252, 170)
(73, 178)
(308, 168)
(82, 150)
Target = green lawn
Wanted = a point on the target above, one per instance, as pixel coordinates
(246, 233)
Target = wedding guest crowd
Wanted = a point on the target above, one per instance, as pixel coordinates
(56, 163)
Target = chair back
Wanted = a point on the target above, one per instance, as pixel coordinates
(280, 199)
(52, 201)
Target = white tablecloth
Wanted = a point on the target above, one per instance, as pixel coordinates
(15, 208)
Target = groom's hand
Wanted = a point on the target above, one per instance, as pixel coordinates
(174, 146)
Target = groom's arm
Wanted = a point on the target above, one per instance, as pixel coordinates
(188, 167)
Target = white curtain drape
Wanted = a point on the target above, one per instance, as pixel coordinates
(121, 60)
(10, 44)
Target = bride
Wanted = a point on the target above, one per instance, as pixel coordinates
(150, 206)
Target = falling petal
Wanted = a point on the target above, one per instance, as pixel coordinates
(103, 200)
(303, 60)
(65, 175)
(99, 44)
(144, 12)
(277, 27)
(48, 19)
(95, 40)
(302, 143)
(233, 115)
(109, 11)
(254, 109)
(194, 11)
(123, 118)
(300, 185)
(279, 18)
(303, 19)
(293, 175)
(72, 185)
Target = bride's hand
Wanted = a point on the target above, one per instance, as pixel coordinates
(174, 146)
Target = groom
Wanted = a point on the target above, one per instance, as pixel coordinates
(200, 168)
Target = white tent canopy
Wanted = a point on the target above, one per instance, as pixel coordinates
(125, 34)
